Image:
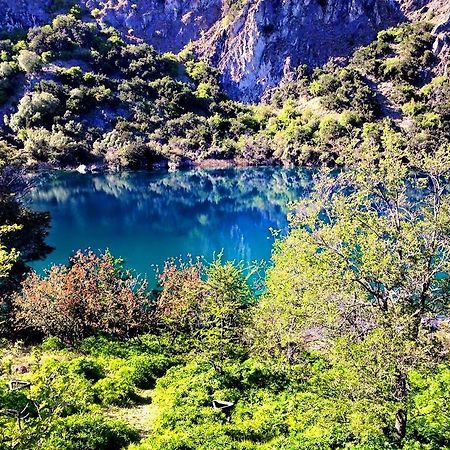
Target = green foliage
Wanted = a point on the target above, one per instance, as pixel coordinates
(211, 312)
(345, 89)
(29, 61)
(104, 100)
(90, 432)
(70, 392)
(398, 54)
(116, 389)
(8, 71)
(22, 231)
(7, 258)
(35, 109)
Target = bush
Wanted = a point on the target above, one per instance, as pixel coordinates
(29, 61)
(89, 368)
(58, 386)
(148, 368)
(41, 145)
(91, 295)
(211, 313)
(343, 89)
(90, 432)
(35, 109)
(126, 149)
(117, 388)
(107, 346)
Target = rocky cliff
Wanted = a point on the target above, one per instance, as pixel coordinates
(269, 39)
(254, 43)
(23, 14)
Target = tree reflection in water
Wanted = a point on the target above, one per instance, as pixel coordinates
(147, 217)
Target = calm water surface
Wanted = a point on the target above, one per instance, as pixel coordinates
(148, 217)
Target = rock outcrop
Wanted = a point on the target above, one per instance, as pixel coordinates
(23, 13)
(256, 44)
(168, 25)
(269, 40)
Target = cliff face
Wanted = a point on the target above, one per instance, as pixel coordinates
(168, 25)
(23, 13)
(269, 39)
(254, 43)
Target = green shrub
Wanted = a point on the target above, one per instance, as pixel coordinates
(148, 368)
(89, 368)
(57, 386)
(117, 388)
(90, 432)
(29, 61)
(52, 344)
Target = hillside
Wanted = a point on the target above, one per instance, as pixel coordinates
(255, 44)
(74, 91)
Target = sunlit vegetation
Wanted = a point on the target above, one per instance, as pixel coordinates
(91, 97)
(345, 347)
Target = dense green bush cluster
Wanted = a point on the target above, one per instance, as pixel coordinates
(399, 54)
(275, 409)
(70, 391)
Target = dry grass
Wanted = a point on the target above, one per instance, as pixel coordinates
(140, 414)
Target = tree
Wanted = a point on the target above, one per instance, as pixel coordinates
(56, 147)
(224, 312)
(208, 305)
(29, 61)
(23, 231)
(364, 269)
(35, 109)
(7, 258)
(7, 261)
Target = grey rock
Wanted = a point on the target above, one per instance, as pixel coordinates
(23, 13)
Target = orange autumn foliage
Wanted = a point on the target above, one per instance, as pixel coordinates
(93, 294)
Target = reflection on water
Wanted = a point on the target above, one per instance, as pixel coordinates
(149, 217)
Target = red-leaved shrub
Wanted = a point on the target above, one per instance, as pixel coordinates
(93, 294)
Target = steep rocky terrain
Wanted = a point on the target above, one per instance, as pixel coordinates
(254, 43)
(22, 13)
(267, 41)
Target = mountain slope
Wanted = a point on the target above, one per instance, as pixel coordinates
(74, 91)
(256, 44)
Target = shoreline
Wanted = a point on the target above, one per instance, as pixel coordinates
(230, 163)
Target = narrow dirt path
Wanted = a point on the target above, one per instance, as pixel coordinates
(140, 415)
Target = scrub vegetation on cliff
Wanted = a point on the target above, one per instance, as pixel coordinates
(74, 92)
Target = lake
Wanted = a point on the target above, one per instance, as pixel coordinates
(148, 217)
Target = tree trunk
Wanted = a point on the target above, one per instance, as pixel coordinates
(401, 393)
(400, 425)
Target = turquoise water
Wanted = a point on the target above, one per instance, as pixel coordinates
(148, 217)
